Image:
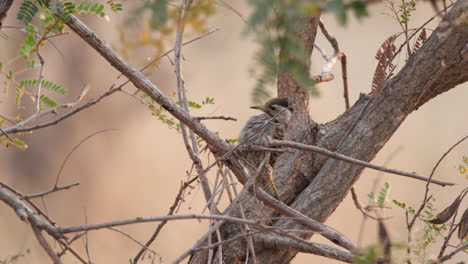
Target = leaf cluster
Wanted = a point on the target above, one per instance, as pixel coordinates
(382, 197)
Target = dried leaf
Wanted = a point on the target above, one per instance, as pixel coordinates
(384, 56)
(463, 226)
(447, 213)
(420, 41)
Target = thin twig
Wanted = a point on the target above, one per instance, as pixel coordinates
(190, 145)
(174, 206)
(229, 7)
(74, 253)
(343, 59)
(45, 245)
(426, 199)
(451, 254)
(26, 214)
(74, 149)
(452, 225)
(55, 188)
(228, 212)
(73, 104)
(6, 135)
(417, 30)
(338, 156)
(81, 228)
(38, 93)
(171, 50)
(216, 117)
(16, 129)
(136, 241)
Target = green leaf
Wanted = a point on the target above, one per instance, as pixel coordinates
(29, 43)
(31, 63)
(27, 11)
(359, 8)
(208, 100)
(18, 95)
(47, 100)
(45, 84)
(337, 7)
(158, 9)
(383, 193)
(194, 105)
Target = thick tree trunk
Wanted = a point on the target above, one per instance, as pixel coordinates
(315, 185)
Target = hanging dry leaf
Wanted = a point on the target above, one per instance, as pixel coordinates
(420, 41)
(463, 226)
(384, 56)
(447, 213)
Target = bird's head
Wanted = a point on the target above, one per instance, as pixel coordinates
(275, 106)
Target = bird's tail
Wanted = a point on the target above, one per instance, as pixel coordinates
(266, 182)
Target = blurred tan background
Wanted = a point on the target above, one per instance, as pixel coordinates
(137, 170)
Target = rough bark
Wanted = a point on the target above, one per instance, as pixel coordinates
(4, 7)
(316, 185)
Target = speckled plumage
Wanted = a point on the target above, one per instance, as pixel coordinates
(260, 130)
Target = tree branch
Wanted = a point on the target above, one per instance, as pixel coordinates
(338, 156)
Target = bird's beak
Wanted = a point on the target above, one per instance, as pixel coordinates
(259, 107)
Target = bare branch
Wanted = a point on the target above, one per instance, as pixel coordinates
(192, 145)
(136, 241)
(338, 156)
(38, 92)
(177, 201)
(45, 245)
(342, 57)
(305, 246)
(54, 189)
(26, 214)
(451, 254)
(75, 148)
(17, 129)
(216, 117)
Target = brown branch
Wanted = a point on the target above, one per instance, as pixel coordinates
(136, 241)
(338, 156)
(74, 149)
(45, 245)
(418, 29)
(343, 59)
(190, 145)
(304, 246)
(16, 129)
(81, 228)
(155, 234)
(451, 254)
(6, 135)
(216, 117)
(26, 214)
(52, 190)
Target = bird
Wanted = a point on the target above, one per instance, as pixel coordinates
(260, 130)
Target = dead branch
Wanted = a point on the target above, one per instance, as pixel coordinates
(338, 156)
